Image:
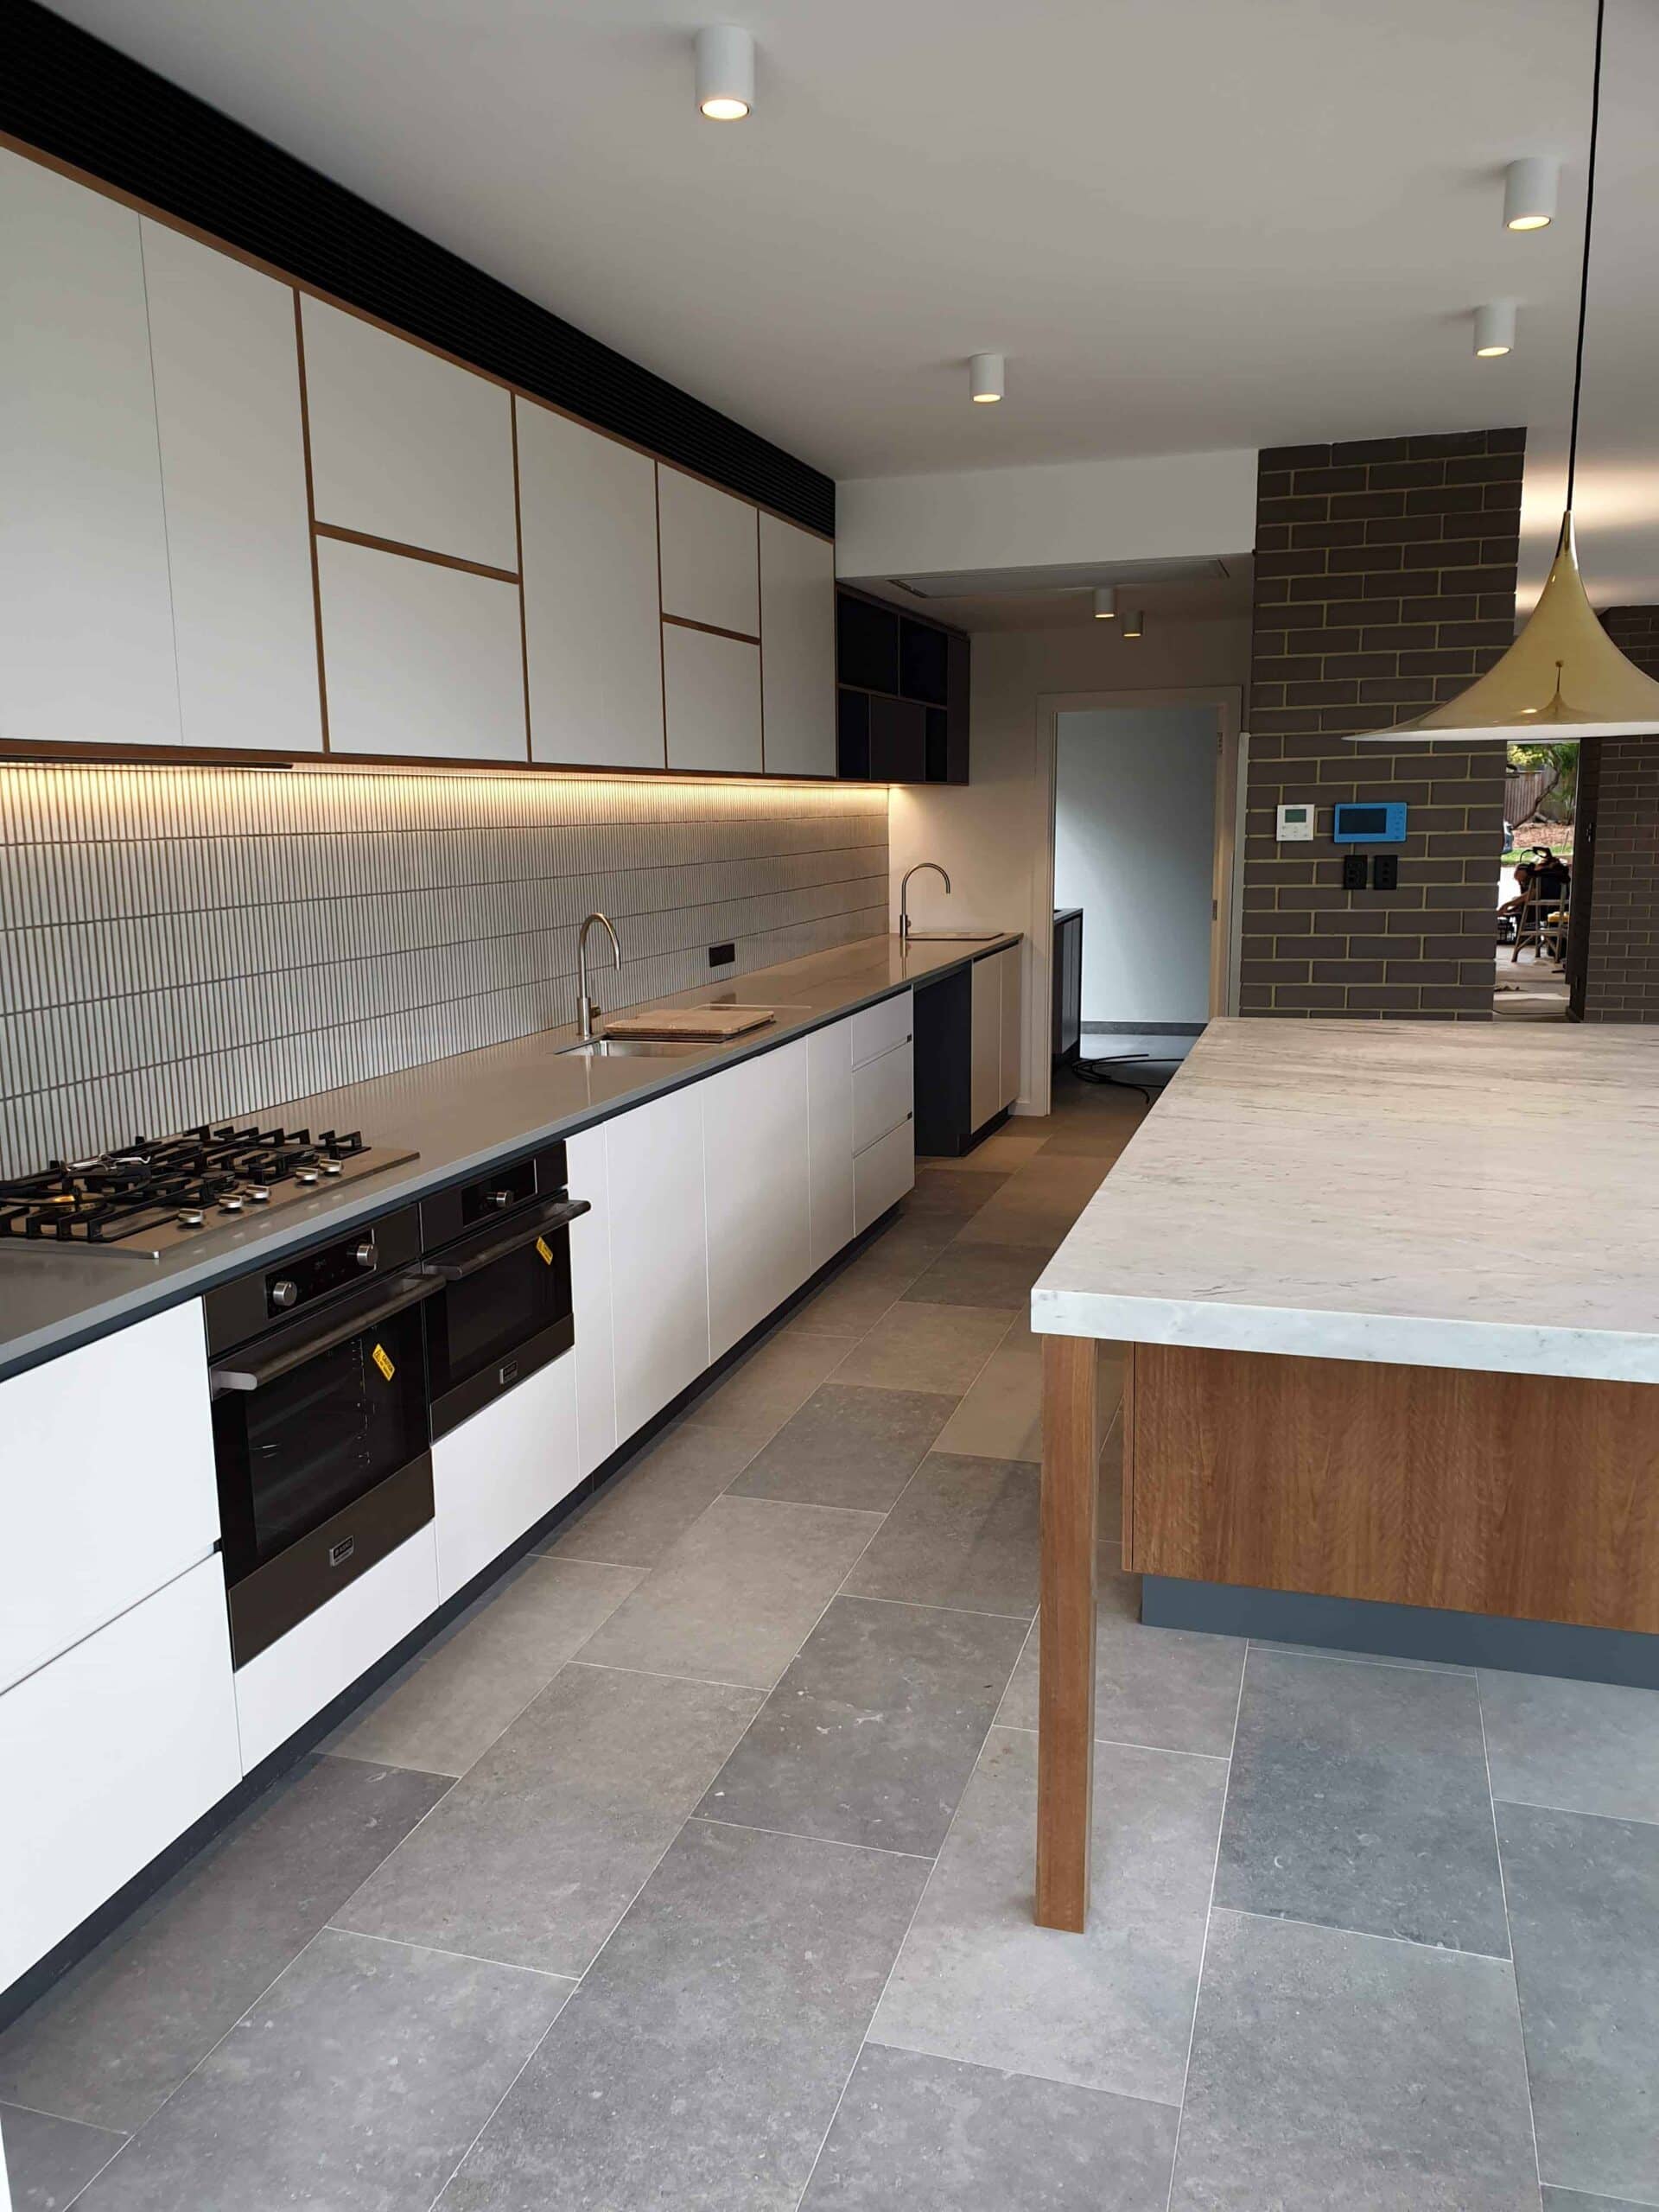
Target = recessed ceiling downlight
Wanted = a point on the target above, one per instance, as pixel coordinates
(986, 377)
(725, 73)
(1529, 188)
(1494, 329)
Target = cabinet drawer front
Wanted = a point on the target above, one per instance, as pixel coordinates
(498, 1473)
(883, 1096)
(883, 1173)
(110, 1488)
(109, 1754)
(294, 1678)
(877, 1029)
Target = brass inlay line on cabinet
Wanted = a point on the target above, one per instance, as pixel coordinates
(712, 629)
(414, 552)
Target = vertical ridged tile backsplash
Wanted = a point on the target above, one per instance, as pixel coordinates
(182, 944)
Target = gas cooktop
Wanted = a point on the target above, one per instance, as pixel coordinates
(156, 1194)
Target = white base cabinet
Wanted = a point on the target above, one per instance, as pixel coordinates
(110, 1753)
(588, 1169)
(292, 1679)
(109, 1489)
(882, 1174)
(994, 1051)
(498, 1473)
(755, 1171)
(659, 1253)
(829, 1139)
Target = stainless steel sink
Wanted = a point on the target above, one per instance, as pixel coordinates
(637, 1048)
(954, 937)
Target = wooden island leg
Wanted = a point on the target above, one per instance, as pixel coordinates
(1066, 1719)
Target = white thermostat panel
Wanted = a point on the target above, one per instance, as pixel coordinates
(1295, 824)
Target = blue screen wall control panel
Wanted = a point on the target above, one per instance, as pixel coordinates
(1367, 822)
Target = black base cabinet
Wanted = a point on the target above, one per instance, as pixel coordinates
(942, 1025)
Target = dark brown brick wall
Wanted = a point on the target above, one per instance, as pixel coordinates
(1635, 630)
(1385, 573)
(1620, 791)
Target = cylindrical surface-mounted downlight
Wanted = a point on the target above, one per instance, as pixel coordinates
(1494, 329)
(725, 73)
(1529, 188)
(1105, 603)
(985, 377)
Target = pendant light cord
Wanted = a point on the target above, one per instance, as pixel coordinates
(1584, 274)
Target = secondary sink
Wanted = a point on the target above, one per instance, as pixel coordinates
(636, 1048)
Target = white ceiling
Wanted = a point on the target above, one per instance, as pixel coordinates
(1190, 224)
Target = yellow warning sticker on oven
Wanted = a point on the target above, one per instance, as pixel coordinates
(382, 1359)
(546, 1251)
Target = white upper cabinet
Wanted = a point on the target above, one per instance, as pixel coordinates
(85, 619)
(419, 657)
(711, 688)
(405, 446)
(592, 636)
(797, 646)
(710, 554)
(239, 535)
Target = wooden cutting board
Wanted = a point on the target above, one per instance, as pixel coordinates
(697, 1021)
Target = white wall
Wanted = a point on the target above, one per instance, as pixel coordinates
(1134, 826)
(1174, 506)
(993, 834)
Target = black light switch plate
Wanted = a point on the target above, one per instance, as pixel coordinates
(721, 955)
(1385, 872)
(1353, 871)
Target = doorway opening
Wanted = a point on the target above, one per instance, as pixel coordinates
(1145, 795)
(1534, 891)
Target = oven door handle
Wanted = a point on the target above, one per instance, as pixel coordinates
(559, 1215)
(293, 1351)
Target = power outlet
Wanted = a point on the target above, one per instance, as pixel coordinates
(1385, 872)
(721, 956)
(1353, 871)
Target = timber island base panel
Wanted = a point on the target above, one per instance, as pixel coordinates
(1354, 1412)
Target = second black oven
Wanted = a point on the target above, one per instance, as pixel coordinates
(499, 1249)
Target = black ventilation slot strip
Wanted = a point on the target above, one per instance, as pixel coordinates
(72, 96)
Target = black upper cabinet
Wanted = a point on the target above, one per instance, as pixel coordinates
(902, 703)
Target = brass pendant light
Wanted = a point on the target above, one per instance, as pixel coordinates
(1563, 674)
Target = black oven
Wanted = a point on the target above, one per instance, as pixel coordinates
(498, 1253)
(318, 1376)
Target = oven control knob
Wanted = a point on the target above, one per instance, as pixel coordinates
(498, 1197)
(284, 1294)
(366, 1255)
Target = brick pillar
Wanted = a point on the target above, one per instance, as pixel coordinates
(1616, 880)
(1385, 575)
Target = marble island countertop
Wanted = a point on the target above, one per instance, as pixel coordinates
(461, 1114)
(1424, 1194)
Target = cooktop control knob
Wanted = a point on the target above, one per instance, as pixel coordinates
(284, 1294)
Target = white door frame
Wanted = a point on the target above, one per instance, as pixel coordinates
(1232, 753)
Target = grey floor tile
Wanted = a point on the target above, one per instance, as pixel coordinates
(49, 2161)
(938, 1348)
(1003, 1151)
(357, 2083)
(1580, 1747)
(965, 1533)
(1166, 1687)
(998, 1275)
(871, 1734)
(852, 1302)
(452, 1700)
(736, 1598)
(1359, 1800)
(108, 2042)
(1110, 2009)
(1584, 1907)
(934, 2135)
(1334, 2069)
(698, 2068)
(540, 1851)
(647, 1508)
(958, 1191)
(1572, 2200)
(848, 1445)
(1001, 1416)
(777, 1378)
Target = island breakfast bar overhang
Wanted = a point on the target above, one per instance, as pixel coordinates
(1363, 1406)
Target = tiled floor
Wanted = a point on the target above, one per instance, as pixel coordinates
(692, 1870)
